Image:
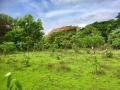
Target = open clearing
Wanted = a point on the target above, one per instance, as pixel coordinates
(62, 70)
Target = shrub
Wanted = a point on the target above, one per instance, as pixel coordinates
(108, 54)
(8, 47)
(26, 61)
(21, 46)
(116, 43)
(114, 38)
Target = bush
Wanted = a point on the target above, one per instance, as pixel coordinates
(26, 61)
(116, 43)
(21, 46)
(114, 38)
(8, 47)
(94, 40)
(108, 54)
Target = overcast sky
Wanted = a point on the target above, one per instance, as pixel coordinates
(57, 13)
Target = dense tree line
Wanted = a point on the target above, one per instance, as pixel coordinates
(25, 33)
(93, 35)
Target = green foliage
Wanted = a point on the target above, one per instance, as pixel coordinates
(94, 41)
(7, 47)
(89, 37)
(46, 72)
(86, 37)
(96, 35)
(108, 54)
(18, 85)
(32, 28)
(96, 64)
(5, 24)
(105, 27)
(116, 43)
(9, 79)
(61, 39)
(16, 35)
(114, 39)
(97, 67)
(45, 43)
(12, 84)
(26, 32)
(26, 61)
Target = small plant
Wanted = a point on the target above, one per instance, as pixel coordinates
(63, 66)
(9, 80)
(26, 61)
(96, 64)
(98, 70)
(12, 84)
(108, 54)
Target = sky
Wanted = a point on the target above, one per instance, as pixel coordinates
(58, 13)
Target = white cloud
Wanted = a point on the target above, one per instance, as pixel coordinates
(82, 24)
(57, 13)
(62, 12)
(101, 14)
(65, 1)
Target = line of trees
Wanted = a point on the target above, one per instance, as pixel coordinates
(96, 35)
(26, 33)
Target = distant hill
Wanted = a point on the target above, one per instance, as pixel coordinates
(66, 28)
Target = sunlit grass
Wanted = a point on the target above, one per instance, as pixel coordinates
(71, 71)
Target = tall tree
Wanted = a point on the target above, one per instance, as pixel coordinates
(5, 25)
(26, 30)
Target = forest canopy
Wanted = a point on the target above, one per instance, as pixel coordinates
(26, 33)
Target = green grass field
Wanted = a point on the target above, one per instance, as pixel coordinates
(63, 70)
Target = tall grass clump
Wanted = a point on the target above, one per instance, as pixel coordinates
(26, 60)
(97, 67)
(12, 84)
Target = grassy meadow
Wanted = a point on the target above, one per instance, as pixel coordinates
(62, 70)
(60, 45)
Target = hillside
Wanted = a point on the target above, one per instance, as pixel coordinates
(66, 28)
